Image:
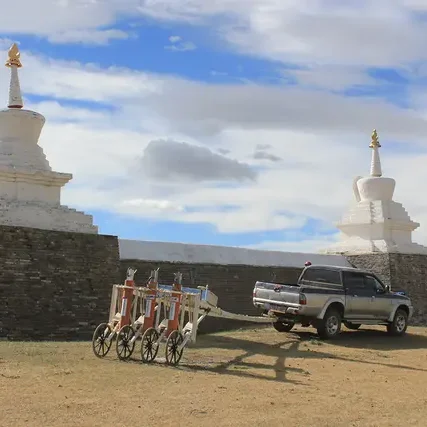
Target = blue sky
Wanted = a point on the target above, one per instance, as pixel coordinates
(263, 107)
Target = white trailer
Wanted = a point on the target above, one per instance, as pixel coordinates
(196, 303)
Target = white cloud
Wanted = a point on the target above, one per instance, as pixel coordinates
(174, 39)
(54, 111)
(334, 77)
(150, 204)
(317, 30)
(178, 45)
(62, 19)
(71, 80)
(94, 37)
(182, 47)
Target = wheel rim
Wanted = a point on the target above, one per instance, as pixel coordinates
(400, 323)
(124, 347)
(173, 354)
(100, 343)
(149, 346)
(332, 325)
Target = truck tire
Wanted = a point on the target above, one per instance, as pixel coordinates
(330, 326)
(352, 326)
(399, 324)
(281, 326)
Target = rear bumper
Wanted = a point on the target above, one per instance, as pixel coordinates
(277, 307)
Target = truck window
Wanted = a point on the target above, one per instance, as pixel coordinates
(353, 280)
(322, 275)
(374, 284)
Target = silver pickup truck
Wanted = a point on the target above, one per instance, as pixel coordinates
(325, 297)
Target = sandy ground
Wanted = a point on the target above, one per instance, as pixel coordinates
(252, 377)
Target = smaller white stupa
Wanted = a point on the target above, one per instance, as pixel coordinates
(375, 223)
(30, 191)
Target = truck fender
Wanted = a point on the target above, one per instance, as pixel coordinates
(393, 311)
(328, 304)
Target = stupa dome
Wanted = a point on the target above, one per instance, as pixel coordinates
(375, 187)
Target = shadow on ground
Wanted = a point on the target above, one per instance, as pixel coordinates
(240, 366)
(300, 344)
(293, 348)
(373, 339)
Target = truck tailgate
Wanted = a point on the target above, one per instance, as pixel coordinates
(288, 294)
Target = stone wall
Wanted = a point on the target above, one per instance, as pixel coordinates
(403, 272)
(54, 285)
(409, 273)
(377, 263)
(233, 284)
(57, 285)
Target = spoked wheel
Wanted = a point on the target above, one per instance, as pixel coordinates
(100, 344)
(173, 354)
(124, 346)
(149, 346)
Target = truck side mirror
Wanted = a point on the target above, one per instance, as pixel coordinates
(387, 288)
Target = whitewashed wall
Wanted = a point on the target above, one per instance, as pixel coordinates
(205, 254)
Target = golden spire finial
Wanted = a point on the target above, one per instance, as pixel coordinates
(375, 143)
(14, 55)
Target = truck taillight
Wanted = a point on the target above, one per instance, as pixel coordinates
(254, 293)
(302, 299)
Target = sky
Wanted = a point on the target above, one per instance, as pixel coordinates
(234, 122)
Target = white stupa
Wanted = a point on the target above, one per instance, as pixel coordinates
(30, 191)
(375, 223)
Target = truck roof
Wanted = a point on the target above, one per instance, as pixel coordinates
(338, 268)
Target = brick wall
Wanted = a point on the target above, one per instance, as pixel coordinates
(54, 285)
(233, 284)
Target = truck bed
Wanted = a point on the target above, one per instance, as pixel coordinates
(274, 295)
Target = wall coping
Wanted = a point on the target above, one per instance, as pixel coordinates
(224, 255)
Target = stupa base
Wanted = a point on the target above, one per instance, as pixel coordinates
(357, 246)
(45, 216)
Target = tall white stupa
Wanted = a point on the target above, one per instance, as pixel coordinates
(30, 191)
(375, 223)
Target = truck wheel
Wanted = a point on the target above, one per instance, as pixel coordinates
(283, 326)
(353, 326)
(399, 324)
(330, 326)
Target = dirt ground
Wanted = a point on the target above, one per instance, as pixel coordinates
(250, 377)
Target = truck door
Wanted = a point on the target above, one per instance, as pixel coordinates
(381, 302)
(358, 296)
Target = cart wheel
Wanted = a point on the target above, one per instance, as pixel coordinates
(149, 346)
(124, 347)
(100, 343)
(173, 354)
